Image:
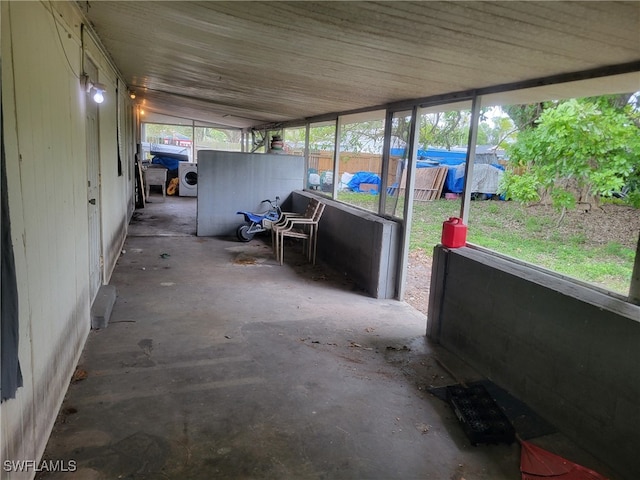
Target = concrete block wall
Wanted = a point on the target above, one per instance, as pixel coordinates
(568, 351)
(362, 245)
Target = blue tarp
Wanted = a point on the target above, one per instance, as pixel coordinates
(439, 155)
(454, 181)
(436, 157)
(169, 163)
(363, 177)
(427, 158)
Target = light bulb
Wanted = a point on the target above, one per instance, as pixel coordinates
(98, 90)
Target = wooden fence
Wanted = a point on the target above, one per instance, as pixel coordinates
(353, 163)
(429, 181)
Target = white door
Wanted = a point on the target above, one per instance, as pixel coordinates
(93, 198)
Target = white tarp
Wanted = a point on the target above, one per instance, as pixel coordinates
(485, 179)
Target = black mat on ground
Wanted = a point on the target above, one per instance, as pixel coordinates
(527, 423)
(482, 419)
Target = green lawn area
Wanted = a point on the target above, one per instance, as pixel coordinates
(596, 246)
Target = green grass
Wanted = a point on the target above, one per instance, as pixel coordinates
(531, 235)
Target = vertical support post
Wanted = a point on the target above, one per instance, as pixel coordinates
(471, 157)
(408, 201)
(307, 131)
(634, 289)
(384, 174)
(336, 158)
(193, 141)
(138, 125)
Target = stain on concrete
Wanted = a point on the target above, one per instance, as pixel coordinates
(146, 344)
(136, 457)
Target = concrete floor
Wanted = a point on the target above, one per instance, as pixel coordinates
(220, 364)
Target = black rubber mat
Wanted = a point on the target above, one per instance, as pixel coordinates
(482, 419)
(526, 422)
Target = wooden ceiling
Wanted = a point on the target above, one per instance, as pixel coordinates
(241, 64)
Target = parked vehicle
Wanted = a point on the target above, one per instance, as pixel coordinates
(258, 222)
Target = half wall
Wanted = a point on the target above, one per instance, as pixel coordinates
(569, 351)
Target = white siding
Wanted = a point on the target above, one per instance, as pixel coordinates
(44, 125)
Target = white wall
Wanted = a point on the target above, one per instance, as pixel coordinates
(44, 127)
(229, 182)
(114, 187)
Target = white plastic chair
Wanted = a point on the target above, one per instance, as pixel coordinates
(305, 227)
(282, 221)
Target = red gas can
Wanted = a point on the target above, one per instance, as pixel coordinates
(454, 233)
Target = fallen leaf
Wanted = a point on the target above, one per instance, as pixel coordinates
(79, 375)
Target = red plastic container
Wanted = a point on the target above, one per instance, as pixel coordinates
(454, 233)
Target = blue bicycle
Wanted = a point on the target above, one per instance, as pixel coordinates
(258, 222)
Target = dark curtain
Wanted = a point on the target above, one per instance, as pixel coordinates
(11, 378)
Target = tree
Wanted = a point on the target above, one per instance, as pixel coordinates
(367, 136)
(501, 130)
(524, 117)
(580, 149)
(445, 129)
(451, 128)
(322, 138)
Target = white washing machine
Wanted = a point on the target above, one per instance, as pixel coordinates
(188, 175)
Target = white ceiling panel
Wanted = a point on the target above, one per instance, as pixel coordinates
(245, 63)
